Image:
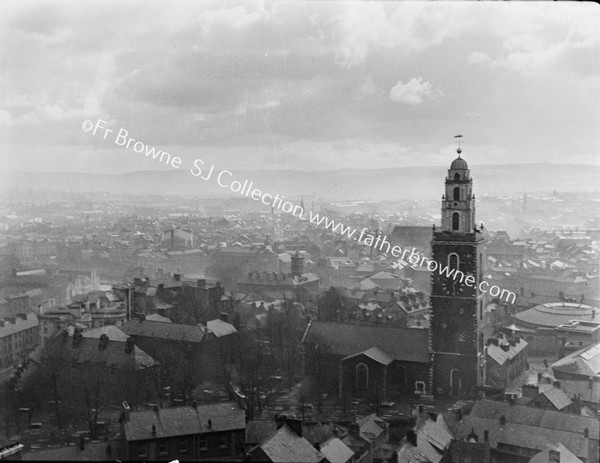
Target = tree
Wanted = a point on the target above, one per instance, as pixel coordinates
(330, 306)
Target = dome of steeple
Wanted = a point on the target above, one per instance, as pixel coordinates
(459, 164)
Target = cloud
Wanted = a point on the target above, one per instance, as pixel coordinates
(413, 92)
(478, 57)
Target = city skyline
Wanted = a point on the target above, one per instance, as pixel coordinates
(299, 85)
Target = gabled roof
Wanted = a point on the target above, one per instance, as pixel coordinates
(220, 328)
(184, 421)
(500, 356)
(557, 397)
(565, 455)
(113, 333)
(286, 446)
(584, 362)
(374, 353)
(405, 344)
(527, 427)
(161, 330)
(336, 451)
(371, 427)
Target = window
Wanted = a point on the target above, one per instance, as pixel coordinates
(183, 446)
(223, 442)
(453, 261)
(141, 449)
(455, 221)
(456, 196)
(203, 442)
(457, 177)
(419, 387)
(362, 376)
(163, 447)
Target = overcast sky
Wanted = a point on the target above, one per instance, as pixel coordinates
(298, 85)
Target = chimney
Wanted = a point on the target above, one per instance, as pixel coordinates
(129, 346)
(504, 347)
(556, 384)
(553, 456)
(153, 430)
(177, 276)
(224, 317)
(126, 411)
(81, 442)
(486, 436)
(530, 390)
(201, 283)
(502, 420)
(586, 433)
(142, 316)
(411, 438)
(103, 342)
(473, 435)
(77, 337)
(209, 423)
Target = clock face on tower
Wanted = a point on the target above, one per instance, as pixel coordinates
(452, 287)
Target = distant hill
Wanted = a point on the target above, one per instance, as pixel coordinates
(377, 184)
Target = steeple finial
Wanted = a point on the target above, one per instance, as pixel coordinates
(458, 142)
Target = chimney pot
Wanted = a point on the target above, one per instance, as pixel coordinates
(209, 423)
(553, 456)
(81, 442)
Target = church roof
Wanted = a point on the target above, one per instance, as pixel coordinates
(459, 164)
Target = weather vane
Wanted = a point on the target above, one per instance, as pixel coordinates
(458, 142)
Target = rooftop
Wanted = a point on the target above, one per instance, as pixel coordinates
(346, 339)
(170, 331)
(183, 421)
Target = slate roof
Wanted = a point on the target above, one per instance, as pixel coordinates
(113, 333)
(405, 344)
(371, 427)
(336, 451)
(220, 328)
(158, 318)
(584, 362)
(557, 397)
(565, 455)
(184, 421)
(408, 453)
(527, 427)
(374, 353)
(87, 353)
(500, 356)
(286, 446)
(170, 331)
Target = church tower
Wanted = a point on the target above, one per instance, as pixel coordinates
(457, 305)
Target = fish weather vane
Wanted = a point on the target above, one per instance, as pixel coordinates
(458, 142)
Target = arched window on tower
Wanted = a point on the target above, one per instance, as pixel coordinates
(456, 193)
(362, 376)
(453, 261)
(455, 221)
(457, 177)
